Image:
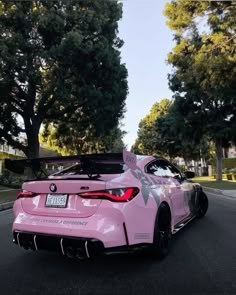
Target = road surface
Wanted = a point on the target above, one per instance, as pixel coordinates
(202, 261)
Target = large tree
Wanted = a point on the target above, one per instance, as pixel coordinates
(71, 142)
(165, 131)
(59, 62)
(147, 136)
(177, 136)
(204, 67)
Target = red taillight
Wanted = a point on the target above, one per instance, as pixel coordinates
(117, 194)
(24, 194)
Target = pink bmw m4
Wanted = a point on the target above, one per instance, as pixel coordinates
(104, 203)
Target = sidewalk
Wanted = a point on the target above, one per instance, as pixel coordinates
(6, 206)
(7, 198)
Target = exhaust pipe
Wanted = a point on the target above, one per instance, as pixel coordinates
(70, 252)
(80, 254)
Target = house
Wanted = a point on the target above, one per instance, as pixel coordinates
(7, 152)
(231, 152)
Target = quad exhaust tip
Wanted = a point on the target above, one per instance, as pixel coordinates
(69, 251)
(78, 253)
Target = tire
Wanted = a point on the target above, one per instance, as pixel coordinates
(203, 205)
(162, 232)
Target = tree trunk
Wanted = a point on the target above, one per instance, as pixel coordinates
(32, 150)
(218, 146)
(33, 146)
(186, 160)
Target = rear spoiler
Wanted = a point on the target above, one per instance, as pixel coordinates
(18, 166)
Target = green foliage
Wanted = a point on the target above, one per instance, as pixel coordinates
(46, 152)
(229, 163)
(161, 132)
(147, 136)
(177, 135)
(113, 141)
(4, 155)
(59, 62)
(72, 144)
(204, 76)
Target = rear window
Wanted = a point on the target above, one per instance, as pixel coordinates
(94, 168)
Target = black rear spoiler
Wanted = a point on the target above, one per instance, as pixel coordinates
(18, 166)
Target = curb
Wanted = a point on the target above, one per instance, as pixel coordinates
(6, 206)
(220, 192)
(212, 190)
(8, 190)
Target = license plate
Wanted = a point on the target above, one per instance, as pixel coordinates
(56, 200)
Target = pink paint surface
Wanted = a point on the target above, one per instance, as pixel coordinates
(103, 219)
(130, 159)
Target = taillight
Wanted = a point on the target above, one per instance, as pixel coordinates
(25, 194)
(116, 194)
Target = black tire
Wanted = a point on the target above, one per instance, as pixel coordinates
(162, 232)
(202, 205)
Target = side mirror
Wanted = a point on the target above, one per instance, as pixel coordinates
(189, 174)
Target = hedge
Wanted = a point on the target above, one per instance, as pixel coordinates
(4, 155)
(229, 163)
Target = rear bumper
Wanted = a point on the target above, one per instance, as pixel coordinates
(70, 246)
(107, 228)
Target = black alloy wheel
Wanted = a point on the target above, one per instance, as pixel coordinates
(203, 205)
(162, 232)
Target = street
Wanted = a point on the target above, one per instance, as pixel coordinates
(202, 260)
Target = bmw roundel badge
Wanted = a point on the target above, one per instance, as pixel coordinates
(53, 187)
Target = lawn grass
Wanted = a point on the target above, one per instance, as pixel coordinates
(208, 181)
(8, 196)
(3, 187)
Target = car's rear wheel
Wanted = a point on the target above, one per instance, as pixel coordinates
(162, 232)
(203, 205)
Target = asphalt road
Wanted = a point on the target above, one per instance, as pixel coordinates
(202, 261)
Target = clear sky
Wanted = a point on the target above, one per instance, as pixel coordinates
(147, 43)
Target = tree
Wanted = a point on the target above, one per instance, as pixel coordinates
(178, 137)
(204, 75)
(59, 63)
(146, 141)
(72, 143)
(113, 142)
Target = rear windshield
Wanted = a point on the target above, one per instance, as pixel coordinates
(94, 168)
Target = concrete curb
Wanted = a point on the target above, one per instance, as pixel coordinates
(8, 190)
(212, 190)
(6, 206)
(227, 193)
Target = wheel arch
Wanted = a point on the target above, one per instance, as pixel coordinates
(159, 216)
(203, 204)
(164, 203)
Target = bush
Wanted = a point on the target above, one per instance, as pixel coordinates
(229, 176)
(11, 180)
(229, 163)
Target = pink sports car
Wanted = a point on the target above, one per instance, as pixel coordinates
(104, 203)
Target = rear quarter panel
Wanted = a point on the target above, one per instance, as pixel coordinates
(140, 213)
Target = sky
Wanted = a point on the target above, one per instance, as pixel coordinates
(147, 41)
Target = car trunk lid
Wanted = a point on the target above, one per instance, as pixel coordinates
(47, 193)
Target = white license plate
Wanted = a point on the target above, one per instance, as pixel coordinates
(56, 200)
